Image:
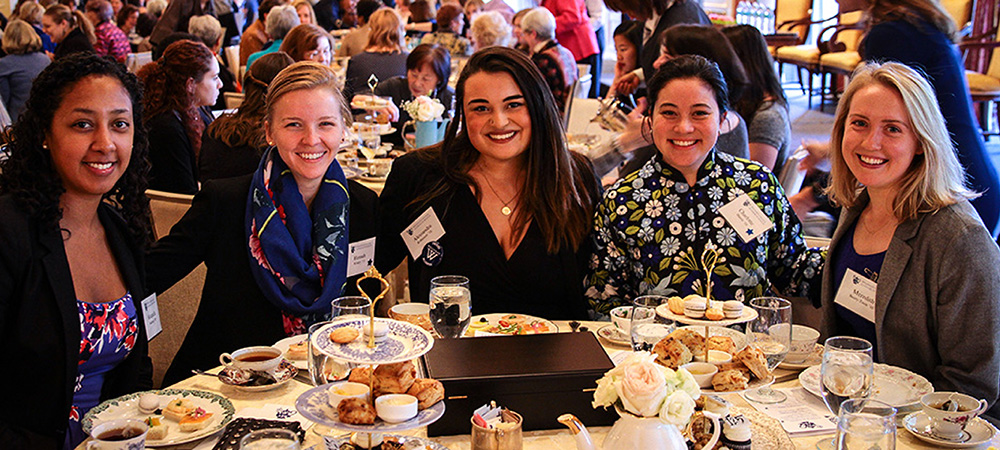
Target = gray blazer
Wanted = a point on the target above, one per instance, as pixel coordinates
(937, 305)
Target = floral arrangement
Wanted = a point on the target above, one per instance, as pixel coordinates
(642, 387)
(424, 108)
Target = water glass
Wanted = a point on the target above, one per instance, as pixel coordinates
(865, 424)
(451, 305)
(323, 368)
(847, 373)
(270, 439)
(771, 332)
(646, 327)
(350, 307)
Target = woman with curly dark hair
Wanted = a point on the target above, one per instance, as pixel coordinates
(181, 86)
(73, 222)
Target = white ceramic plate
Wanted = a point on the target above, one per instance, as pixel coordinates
(615, 336)
(664, 311)
(895, 386)
(127, 407)
(284, 344)
(814, 359)
(313, 405)
(532, 324)
(404, 342)
(409, 441)
(976, 432)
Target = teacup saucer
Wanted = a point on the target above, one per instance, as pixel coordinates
(613, 335)
(976, 432)
(281, 375)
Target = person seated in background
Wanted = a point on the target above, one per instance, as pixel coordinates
(427, 71)
(305, 11)
(110, 39)
(308, 42)
(126, 20)
(179, 88)
(275, 242)
(910, 239)
(327, 14)
(763, 105)
(147, 21)
(488, 29)
(538, 29)
(355, 41)
(32, 12)
(24, 61)
(384, 57)
(255, 36)
(70, 30)
(348, 14)
(422, 19)
(516, 205)
(654, 225)
(209, 31)
(176, 16)
(628, 42)
(232, 144)
(280, 21)
(449, 24)
(518, 39)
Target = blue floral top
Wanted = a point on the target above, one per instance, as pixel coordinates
(652, 227)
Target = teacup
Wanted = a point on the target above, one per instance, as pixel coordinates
(622, 318)
(415, 313)
(803, 343)
(379, 167)
(119, 434)
(260, 359)
(950, 425)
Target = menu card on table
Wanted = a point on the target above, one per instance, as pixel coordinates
(802, 414)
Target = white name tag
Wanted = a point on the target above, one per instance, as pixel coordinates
(857, 294)
(746, 218)
(151, 315)
(361, 256)
(427, 228)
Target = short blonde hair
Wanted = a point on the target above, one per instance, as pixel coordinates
(386, 29)
(312, 12)
(490, 29)
(20, 38)
(935, 178)
(306, 75)
(31, 12)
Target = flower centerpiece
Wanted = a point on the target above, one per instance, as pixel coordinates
(641, 387)
(424, 109)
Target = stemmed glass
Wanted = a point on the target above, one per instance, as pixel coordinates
(451, 305)
(646, 327)
(865, 424)
(771, 332)
(847, 373)
(323, 368)
(351, 307)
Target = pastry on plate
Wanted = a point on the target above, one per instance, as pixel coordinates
(344, 335)
(735, 365)
(723, 343)
(298, 350)
(694, 341)
(157, 429)
(195, 420)
(356, 411)
(676, 305)
(177, 408)
(714, 314)
(729, 380)
(754, 359)
(394, 378)
(428, 391)
(672, 353)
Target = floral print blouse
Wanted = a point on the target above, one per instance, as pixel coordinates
(652, 228)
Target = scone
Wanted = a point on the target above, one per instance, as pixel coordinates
(428, 391)
(356, 411)
(672, 353)
(361, 375)
(723, 343)
(754, 359)
(734, 366)
(694, 341)
(394, 378)
(729, 380)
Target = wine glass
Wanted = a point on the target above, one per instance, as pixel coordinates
(847, 373)
(350, 307)
(646, 327)
(451, 305)
(865, 424)
(771, 332)
(270, 439)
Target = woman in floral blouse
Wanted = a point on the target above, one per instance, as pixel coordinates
(654, 225)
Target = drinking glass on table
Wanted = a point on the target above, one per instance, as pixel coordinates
(322, 367)
(646, 327)
(451, 305)
(771, 332)
(350, 307)
(270, 439)
(865, 424)
(847, 373)
(370, 140)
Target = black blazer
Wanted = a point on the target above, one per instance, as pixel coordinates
(173, 165)
(682, 12)
(233, 312)
(75, 41)
(40, 327)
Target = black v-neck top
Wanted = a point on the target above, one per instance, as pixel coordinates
(531, 282)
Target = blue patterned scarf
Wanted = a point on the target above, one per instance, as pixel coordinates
(301, 257)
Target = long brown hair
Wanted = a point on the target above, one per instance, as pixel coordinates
(246, 125)
(75, 18)
(302, 39)
(556, 194)
(914, 12)
(165, 82)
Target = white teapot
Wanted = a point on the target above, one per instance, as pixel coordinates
(632, 432)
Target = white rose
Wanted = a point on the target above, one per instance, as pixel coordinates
(642, 389)
(606, 394)
(684, 381)
(425, 111)
(677, 409)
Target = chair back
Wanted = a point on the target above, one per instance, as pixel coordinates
(959, 10)
(233, 99)
(789, 10)
(851, 38)
(993, 69)
(135, 61)
(232, 54)
(568, 107)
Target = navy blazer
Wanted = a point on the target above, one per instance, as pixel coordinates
(40, 327)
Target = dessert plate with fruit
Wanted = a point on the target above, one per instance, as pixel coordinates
(490, 324)
(175, 416)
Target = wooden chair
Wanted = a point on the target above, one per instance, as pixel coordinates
(233, 100)
(232, 54)
(807, 56)
(179, 304)
(985, 87)
(793, 18)
(843, 56)
(959, 10)
(584, 80)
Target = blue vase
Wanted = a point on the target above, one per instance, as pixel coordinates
(430, 132)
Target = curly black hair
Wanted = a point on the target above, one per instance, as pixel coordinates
(29, 175)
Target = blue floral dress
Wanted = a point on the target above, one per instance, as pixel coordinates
(652, 227)
(108, 332)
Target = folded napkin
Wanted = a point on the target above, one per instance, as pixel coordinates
(802, 414)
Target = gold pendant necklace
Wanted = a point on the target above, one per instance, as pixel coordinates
(505, 210)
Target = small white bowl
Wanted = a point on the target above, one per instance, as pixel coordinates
(338, 392)
(622, 318)
(714, 357)
(803, 343)
(394, 408)
(702, 372)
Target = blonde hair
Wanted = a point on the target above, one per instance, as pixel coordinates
(386, 29)
(306, 75)
(312, 12)
(490, 29)
(935, 178)
(20, 38)
(30, 12)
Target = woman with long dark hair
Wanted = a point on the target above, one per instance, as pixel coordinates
(516, 206)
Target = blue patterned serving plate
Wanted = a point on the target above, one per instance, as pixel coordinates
(408, 441)
(127, 407)
(313, 405)
(404, 342)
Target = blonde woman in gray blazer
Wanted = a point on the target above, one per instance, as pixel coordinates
(910, 239)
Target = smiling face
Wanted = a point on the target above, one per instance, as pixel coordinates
(56, 30)
(306, 126)
(304, 16)
(685, 122)
(496, 116)
(422, 80)
(90, 138)
(879, 142)
(206, 90)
